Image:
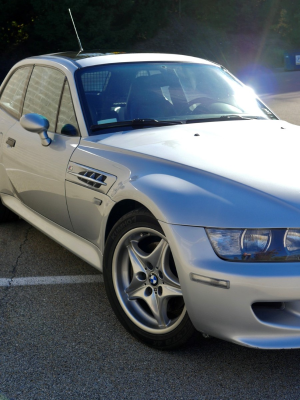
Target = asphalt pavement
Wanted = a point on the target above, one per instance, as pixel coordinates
(60, 340)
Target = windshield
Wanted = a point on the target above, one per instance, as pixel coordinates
(157, 91)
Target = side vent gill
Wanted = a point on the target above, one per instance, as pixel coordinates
(92, 178)
(89, 177)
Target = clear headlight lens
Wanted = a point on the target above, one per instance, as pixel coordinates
(256, 244)
(292, 240)
(226, 242)
(255, 240)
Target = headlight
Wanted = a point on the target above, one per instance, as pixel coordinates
(256, 244)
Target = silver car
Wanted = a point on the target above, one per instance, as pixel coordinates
(172, 178)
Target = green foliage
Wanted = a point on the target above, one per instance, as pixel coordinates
(233, 15)
(288, 24)
(15, 18)
(247, 16)
(45, 26)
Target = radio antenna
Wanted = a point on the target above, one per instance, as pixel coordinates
(81, 49)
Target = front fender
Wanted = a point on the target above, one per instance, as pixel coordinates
(183, 195)
(205, 199)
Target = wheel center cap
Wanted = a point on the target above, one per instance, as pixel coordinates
(153, 279)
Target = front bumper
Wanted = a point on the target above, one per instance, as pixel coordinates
(261, 307)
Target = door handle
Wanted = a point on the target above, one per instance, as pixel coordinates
(11, 142)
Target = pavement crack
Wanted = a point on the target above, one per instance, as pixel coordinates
(15, 266)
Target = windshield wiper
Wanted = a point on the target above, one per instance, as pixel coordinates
(134, 123)
(229, 117)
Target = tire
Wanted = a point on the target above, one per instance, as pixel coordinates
(142, 284)
(6, 215)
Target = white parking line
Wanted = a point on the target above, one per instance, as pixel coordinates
(51, 280)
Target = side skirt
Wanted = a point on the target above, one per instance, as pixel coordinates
(82, 248)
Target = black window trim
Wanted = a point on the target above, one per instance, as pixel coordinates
(59, 105)
(25, 91)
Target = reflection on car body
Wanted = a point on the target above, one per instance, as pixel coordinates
(172, 178)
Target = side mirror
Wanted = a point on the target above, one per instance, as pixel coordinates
(37, 123)
(69, 130)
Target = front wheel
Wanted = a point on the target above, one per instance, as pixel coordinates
(142, 283)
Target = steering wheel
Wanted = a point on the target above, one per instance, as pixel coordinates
(202, 102)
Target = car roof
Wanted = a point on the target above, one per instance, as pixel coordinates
(91, 58)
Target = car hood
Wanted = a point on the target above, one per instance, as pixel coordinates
(260, 153)
(256, 158)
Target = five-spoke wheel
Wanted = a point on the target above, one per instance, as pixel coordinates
(142, 282)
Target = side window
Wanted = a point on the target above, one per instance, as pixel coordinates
(43, 93)
(66, 112)
(11, 97)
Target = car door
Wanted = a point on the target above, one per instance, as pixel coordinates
(11, 99)
(37, 173)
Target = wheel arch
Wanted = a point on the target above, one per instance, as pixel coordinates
(119, 210)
